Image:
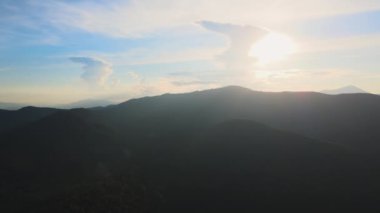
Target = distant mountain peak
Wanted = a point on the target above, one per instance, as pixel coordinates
(350, 89)
(232, 88)
(28, 108)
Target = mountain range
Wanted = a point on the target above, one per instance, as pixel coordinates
(223, 150)
(86, 103)
(91, 103)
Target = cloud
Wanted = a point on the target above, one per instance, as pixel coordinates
(308, 79)
(96, 71)
(339, 44)
(241, 38)
(134, 76)
(179, 73)
(141, 17)
(232, 30)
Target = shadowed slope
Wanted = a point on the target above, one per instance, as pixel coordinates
(350, 119)
(202, 151)
(11, 119)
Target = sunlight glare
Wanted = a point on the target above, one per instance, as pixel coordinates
(273, 47)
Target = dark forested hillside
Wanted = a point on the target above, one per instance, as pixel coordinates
(222, 150)
(11, 119)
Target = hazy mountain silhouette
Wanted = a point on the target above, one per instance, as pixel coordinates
(223, 150)
(344, 90)
(88, 103)
(350, 119)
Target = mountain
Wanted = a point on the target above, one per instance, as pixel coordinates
(222, 150)
(235, 161)
(242, 165)
(344, 90)
(88, 103)
(323, 117)
(10, 119)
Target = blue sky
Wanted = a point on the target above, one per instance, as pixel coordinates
(54, 52)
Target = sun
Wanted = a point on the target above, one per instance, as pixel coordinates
(273, 47)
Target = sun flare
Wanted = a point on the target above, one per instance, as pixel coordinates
(273, 47)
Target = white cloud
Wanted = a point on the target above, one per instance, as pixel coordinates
(336, 44)
(139, 17)
(236, 58)
(134, 76)
(311, 79)
(96, 71)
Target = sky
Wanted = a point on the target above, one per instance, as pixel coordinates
(62, 51)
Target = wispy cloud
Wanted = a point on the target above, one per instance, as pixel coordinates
(96, 71)
(119, 18)
(339, 44)
(310, 79)
(160, 23)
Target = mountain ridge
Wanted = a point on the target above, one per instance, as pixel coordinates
(215, 150)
